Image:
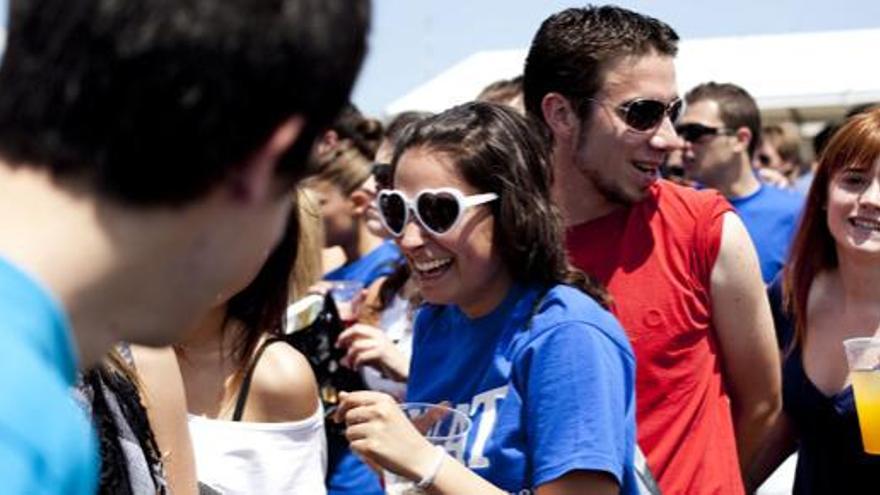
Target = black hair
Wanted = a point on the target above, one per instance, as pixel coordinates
(572, 49)
(364, 133)
(820, 140)
(154, 102)
(397, 124)
(861, 108)
(496, 150)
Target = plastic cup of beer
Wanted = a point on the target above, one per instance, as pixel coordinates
(444, 427)
(347, 294)
(863, 357)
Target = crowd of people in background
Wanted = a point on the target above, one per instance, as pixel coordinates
(623, 288)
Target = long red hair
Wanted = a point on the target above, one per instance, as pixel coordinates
(855, 145)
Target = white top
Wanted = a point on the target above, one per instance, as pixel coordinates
(396, 319)
(266, 458)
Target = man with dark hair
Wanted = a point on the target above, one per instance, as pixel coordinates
(147, 154)
(721, 127)
(678, 262)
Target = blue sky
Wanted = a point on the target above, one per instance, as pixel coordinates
(413, 40)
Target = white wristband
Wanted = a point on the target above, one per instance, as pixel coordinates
(428, 480)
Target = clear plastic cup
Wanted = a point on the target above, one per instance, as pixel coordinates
(863, 357)
(444, 427)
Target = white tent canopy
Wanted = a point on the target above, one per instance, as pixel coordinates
(800, 76)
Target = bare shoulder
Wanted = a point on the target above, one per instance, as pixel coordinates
(283, 387)
(736, 256)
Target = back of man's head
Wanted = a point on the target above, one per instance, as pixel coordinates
(154, 102)
(572, 49)
(504, 92)
(736, 108)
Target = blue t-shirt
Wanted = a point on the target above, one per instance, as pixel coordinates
(771, 217)
(803, 183)
(379, 262)
(46, 442)
(547, 379)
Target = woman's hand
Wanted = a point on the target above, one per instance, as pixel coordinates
(378, 431)
(368, 345)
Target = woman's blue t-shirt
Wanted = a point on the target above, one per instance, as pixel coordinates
(547, 379)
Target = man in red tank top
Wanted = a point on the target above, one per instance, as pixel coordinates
(678, 262)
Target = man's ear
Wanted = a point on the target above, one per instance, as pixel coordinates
(361, 200)
(559, 115)
(743, 138)
(254, 179)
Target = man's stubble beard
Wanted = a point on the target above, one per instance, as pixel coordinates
(609, 191)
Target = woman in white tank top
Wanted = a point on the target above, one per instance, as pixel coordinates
(256, 422)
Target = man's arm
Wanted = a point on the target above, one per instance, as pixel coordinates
(744, 326)
(780, 443)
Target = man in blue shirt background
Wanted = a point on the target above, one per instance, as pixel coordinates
(721, 126)
(147, 153)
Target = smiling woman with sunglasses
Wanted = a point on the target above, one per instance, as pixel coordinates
(510, 333)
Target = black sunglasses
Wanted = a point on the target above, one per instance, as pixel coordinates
(644, 114)
(694, 132)
(382, 173)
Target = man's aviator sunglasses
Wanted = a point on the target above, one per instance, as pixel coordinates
(694, 132)
(645, 114)
(436, 210)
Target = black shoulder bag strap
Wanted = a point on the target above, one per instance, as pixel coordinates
(246, 380)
